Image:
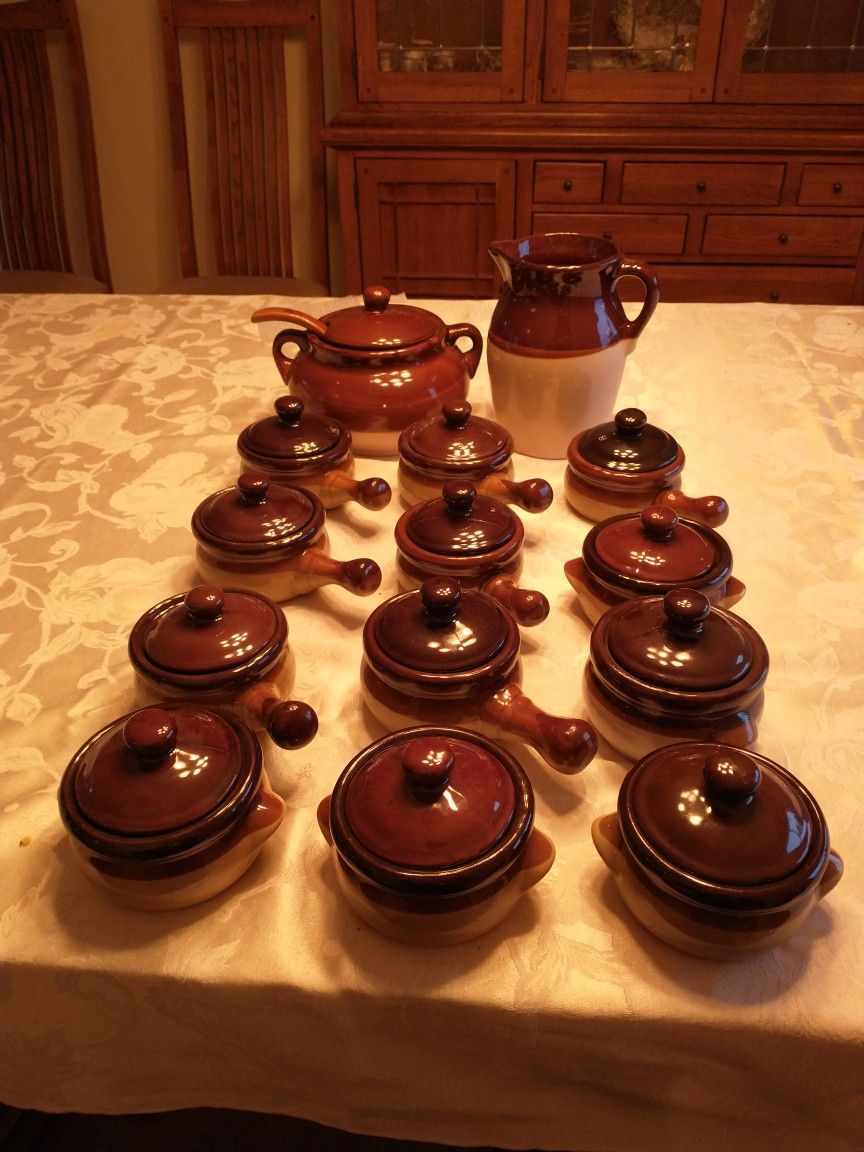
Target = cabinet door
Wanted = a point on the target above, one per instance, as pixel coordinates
(631, 50)
(439, 50)
(806, 52)
(426, 223)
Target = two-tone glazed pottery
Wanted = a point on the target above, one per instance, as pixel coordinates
(625, 464)
(717, 851)
(271, 538)
(454, 444)
(375, 368)
(666, 669)
(309, 451)
(649, 553)
(446, 655)
(166, 807)
(432, 834)
(223, 646)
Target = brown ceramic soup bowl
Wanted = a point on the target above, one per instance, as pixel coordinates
(447, 655)
(376, 368)
(271, 538)
(314, 452)
(224, 646)
(666, 669)
(717, 851)
(474, 538)
(166, 807)
(626, 464)
(433, 836)
(648, 553)
(454, 444)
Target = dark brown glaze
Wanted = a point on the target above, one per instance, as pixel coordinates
(431, 811)
(293, 443)
(348, 360)
(161, 783)
(258, 519)
(559, 294)
(627, 446)
(722, 827)
(454, 442)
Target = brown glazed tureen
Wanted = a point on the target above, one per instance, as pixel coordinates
(648, 553)
(375, 368)
(447, 655)
(271, 538)
(311, 451)
(664, 669)
(454, 444)
(626, 464)
(475, 538)
(166, 807)
(224, 646)
(718, 851)
(433, 835)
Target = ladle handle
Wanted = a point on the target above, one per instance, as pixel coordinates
(337, 487)
(277, 315)
(528, 607)
(361, 576)
(529, 495)
(712, 511)
(564, 743)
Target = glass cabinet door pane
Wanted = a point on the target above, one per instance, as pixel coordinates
(439, 35)
(807, 36)
(633, 35)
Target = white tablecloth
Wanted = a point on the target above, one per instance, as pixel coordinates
(566, 1027)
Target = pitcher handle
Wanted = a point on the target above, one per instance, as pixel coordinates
(644, 272)
(472, 356)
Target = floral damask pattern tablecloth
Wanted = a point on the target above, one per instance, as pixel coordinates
(568, 1026)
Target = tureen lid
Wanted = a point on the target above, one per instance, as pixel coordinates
(258, 515)
(431, 809)
(460, 523)
(440, 629)
(677, 643)
(454, 440)
(653, 549)
(721, 826)
(294, 438)
(161, 782)
(626, 445)
(209, 633)
(381, 327)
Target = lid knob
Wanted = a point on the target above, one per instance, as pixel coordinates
(630, 423)
(731, 778)
(150, 734)
(459, 498)
(427, 763)
(440, 598)
(685, 610)
(289, 409)
(204, 604)
(658, 522)
(253, 487)
(376, 298)
(456, 415)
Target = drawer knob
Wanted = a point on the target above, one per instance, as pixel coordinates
(837, 188)
(701, 185)
(783, 238)
(775, 296)
(568, 185)
(607, 235)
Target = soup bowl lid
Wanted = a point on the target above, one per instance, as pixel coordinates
(627, 446)
(460, 523)
(294, 439)
(456, 441)
(258, 517)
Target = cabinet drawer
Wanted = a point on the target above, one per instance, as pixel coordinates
(726, 282)
(823, 237)
(841, 184)
(562, 183)
(644, 234)
(697, 183)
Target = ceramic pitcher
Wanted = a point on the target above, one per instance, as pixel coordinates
(559, 336)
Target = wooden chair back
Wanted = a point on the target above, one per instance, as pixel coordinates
(248, 200)
(34, 240)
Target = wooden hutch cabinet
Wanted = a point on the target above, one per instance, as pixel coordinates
(721, 140)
